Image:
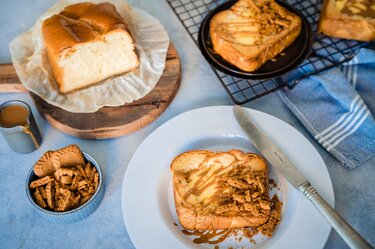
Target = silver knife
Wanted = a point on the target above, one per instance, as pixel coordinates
(285, 167)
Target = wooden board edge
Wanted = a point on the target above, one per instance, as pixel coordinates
(9, 81)
(12, 88)
(118, 131)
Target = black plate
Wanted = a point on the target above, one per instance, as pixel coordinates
(293, 55)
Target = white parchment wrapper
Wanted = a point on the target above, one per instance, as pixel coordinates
(30, 60)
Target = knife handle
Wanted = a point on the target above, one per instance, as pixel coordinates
(350, 236)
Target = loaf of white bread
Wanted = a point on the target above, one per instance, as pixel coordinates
(220, 190)
(252, 32)
(87, 43)
(348, 19)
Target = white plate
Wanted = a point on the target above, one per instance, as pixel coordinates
(147, 198)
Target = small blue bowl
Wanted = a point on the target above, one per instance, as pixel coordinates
(78, 213)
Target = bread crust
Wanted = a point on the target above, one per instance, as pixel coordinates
(337, 24)
(189, 212)
(77, 25)
(251, 57)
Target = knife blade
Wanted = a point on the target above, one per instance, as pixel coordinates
(287, 169)
(268, 149)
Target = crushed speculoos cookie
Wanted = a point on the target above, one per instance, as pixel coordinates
(265, 229)
(41, 182)
(49, 195)
(66, 188)
(247, 193)
(239, 198)
(268, 228)
(226, 208)
(66, 180)
(39, 199)
(237, 183)
(43, 193)
(238, 191)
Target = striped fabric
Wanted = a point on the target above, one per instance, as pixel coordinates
(337, 107)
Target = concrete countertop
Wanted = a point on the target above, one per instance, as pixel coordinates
(22, 227)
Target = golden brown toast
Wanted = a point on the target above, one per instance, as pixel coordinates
(220, 190)
(252, 32)
(349, 19)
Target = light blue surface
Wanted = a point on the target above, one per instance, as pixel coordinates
(22, 227)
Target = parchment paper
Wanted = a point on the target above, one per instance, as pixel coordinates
(30, 60)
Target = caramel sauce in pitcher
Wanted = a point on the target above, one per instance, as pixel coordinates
(13, 115)
(17, 115)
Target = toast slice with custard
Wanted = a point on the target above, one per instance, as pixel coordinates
(348, 19)
(221, 190)
(252, 32)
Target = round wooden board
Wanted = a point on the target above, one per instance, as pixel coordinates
(110, 122)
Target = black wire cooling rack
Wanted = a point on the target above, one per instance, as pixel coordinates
(325, 53)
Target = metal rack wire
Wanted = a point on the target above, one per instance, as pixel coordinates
(325, 53)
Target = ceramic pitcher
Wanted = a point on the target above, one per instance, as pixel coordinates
(22, 138)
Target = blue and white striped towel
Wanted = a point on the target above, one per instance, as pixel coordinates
(337, 107)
